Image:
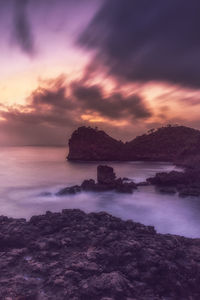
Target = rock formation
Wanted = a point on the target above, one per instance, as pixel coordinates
(172, 143)
(91, 144)
(106, 181)
(186, 183)
(105, 175)
(78, 256)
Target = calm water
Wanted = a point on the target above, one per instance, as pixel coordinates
(27, 172)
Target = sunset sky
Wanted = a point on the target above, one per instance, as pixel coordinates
(124, 66)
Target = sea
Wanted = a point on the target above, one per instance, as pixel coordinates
(30, 177)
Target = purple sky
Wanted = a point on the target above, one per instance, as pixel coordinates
(125, 67)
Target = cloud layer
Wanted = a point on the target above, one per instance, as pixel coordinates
(147, 40)
(116, 106)
(150, 48)
(54, 110)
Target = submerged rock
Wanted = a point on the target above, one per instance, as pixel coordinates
(94, 256)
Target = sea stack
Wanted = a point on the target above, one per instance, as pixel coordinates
(105, 175)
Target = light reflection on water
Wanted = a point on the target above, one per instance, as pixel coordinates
(26, 172)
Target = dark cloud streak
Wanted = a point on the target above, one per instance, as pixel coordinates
(147, 40)
(57, 108)
(22, 33)
(116, 106)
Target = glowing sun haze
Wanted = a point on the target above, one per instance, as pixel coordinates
(124, 66)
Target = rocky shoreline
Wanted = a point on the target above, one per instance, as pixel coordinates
(186, 183)
(74, 255)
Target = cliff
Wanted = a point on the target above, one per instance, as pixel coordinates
(78, 256)
(171, 143)
(90, 144)
(165, 144)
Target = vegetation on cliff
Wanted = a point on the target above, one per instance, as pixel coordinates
(90, 144)
(171, 143)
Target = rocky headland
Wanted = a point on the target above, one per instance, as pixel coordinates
(74, 255)
(177, 144)
(90, 144)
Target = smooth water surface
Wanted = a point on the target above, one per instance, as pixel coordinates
(26, 173)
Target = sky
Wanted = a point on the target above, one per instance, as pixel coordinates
(123, 66)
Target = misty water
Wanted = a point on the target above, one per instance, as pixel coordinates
(26, 173)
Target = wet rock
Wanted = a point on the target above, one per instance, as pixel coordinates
(126, 187)
(126, 179)
(105, 175)
(168, 179)
(106, 181)
(88, 185)
(69, 190)
(143, 183)
(189, 191)
(187, 183)
(167, 190)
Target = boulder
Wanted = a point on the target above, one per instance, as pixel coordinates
(187, 183)
(69, 190)
(105, 175)
(168, 179)
(124, 187)
(88, 185)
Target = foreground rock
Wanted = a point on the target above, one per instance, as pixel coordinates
(106, 181)
(73, 255)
